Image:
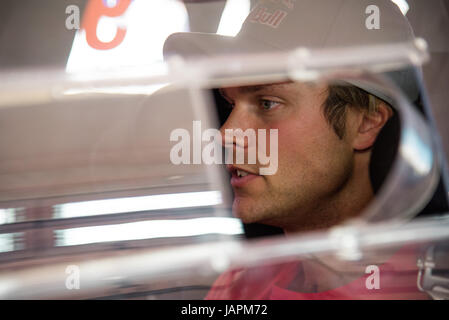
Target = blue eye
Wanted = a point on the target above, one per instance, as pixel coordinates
(268, 104)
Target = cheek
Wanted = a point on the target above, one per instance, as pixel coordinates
(308, 144)
(305, 136)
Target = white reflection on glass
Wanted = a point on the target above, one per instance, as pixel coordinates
(135, 204)
(7, 215)
(233, 16)
(148, 230)
(148, 24)
(9, 241)
(417, 153)
(131, 90)
(403, 5)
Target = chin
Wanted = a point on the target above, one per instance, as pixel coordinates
(246, 212)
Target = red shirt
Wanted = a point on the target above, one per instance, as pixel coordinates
(398, 280)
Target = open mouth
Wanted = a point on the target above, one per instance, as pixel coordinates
(241, 173)
(240, 177)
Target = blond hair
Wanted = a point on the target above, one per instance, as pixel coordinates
(342, 97)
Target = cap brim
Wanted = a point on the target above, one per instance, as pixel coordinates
(197, 44)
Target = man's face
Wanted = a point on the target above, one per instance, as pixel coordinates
(313, 163)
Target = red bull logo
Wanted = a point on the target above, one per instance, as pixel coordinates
(263, 16)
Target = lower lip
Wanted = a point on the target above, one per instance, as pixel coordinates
(238, 182)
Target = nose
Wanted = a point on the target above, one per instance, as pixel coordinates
(237, 122)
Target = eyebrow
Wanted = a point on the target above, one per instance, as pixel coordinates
(257, 88)
(252, 89)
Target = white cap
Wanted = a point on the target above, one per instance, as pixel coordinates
(284, 25)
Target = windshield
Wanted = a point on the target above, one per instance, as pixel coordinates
(162, 136)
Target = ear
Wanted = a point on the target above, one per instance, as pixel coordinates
(370, 125)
